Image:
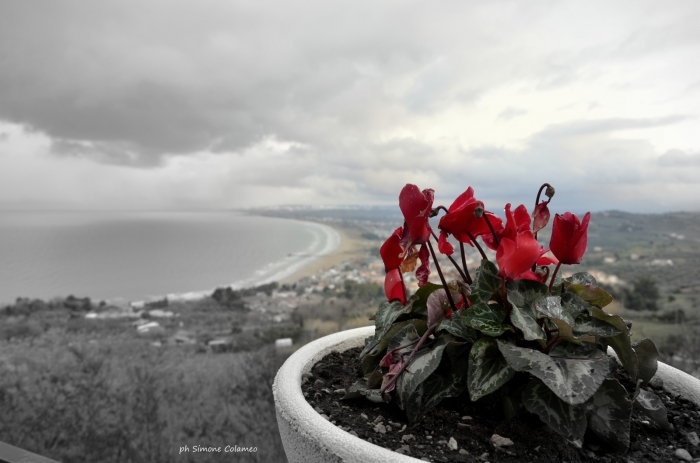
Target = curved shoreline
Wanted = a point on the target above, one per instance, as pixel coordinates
(339, 246)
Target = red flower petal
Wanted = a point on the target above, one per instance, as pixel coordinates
(394, 287)
(444, 246)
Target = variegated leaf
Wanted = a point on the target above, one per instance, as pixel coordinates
(413, 404)
(525, 323)
(488, 370)
(487, 318)
(371, 343)
(608, 414)
(388, 312)
(403, 337)
(650, 404)
(551, 307)
(566, 419)
(585, 324)
(486, 282)
(439, 387)
(592, 294)
(574, 305)
(423, 365)
(573, 381)
(523, 294)
(570, 350)
(457, 328)
(581, 278)
(566, 332)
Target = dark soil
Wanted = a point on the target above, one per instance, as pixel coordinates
(472, 425)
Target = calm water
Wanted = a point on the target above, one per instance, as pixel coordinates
(137, 255)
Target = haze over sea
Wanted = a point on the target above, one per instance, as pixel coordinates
(135, 255)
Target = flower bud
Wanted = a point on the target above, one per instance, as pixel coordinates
(479, 211)
(549, 192)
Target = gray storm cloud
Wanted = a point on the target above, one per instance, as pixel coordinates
(366, 96)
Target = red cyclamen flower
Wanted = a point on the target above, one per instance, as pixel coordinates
(517, 256)
(461, 222)
(399, 251)
(569, 237)
(416, 207)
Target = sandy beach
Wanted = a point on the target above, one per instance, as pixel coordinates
(351, 245)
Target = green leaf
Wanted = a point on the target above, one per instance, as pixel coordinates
(523, 294)
(592, 294)
(456, 327)
(566, 419)
(439, 387)
(413, 404)
(512, 401)
(423, 293)
(370, 362)
(585, 324)
(374, 381)
(574, 305)
(423, 365)
(528, 325)
(576, 351)
(647, 359)
(620, 343)
(551, 307)
(486, 318)
(371, 343)
(581, 278)
(566, 332)
(608, 413)
(650, 404)
(488, 370)
(388, 312)
(486, 282)
(573, 381)
(403, 337)
(384, 337)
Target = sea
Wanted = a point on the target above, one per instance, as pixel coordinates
(129, 256)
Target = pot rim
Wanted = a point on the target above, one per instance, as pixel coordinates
(291, 405)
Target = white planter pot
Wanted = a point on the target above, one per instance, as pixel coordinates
(309, 438)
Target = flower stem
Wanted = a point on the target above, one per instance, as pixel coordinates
(464, 264)
(466, 277)
(551, 344)
(539, 193)
(436, 211)
(442, 278)
(405, 346)
(471, 237)
(393, 380)
(504, 296)
(493, 232)
(554, 276)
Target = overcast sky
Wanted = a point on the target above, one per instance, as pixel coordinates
(227, 103)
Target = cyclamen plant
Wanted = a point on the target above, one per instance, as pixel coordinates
(515, 332)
